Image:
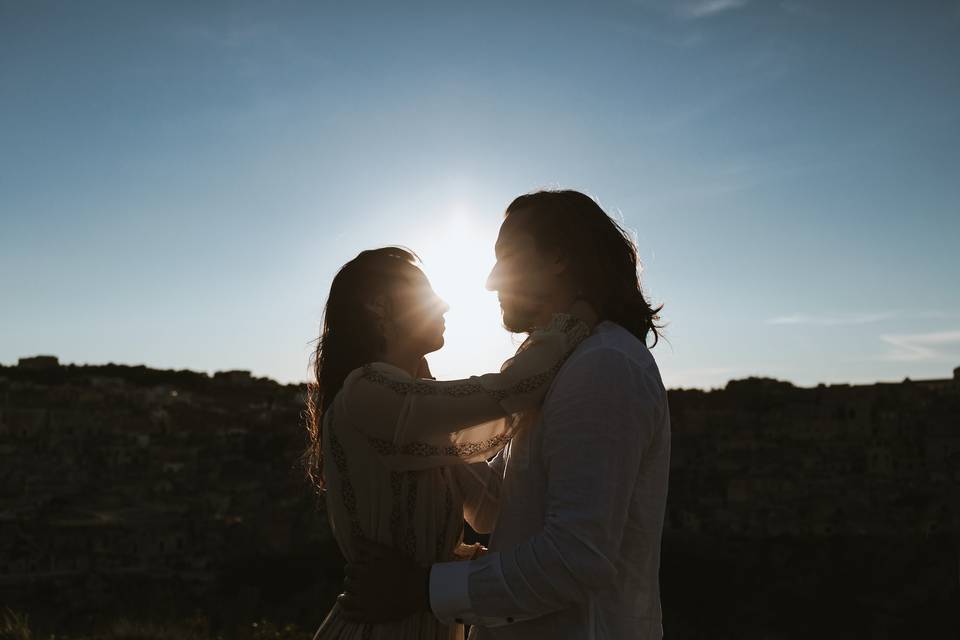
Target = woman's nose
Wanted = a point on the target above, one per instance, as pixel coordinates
(493, 280)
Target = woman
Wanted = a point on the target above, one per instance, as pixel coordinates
(403, 458)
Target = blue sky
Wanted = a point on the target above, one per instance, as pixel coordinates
(180, 181)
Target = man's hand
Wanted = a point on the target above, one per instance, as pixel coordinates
(383, 585)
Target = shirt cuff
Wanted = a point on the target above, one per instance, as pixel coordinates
(449, 593)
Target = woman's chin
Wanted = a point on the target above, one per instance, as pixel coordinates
(437, 344)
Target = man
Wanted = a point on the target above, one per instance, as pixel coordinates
(576, 548)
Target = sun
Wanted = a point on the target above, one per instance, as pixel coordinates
(457, 257)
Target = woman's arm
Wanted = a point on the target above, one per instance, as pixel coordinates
(424, 423)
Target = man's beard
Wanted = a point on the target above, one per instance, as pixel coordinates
(519, 320)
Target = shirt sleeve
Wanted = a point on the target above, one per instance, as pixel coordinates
(419, 423)
(599, 421)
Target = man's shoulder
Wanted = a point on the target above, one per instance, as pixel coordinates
(611, 363)
(603, 358)
(609, 341)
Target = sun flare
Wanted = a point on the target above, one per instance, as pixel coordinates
(457, 257)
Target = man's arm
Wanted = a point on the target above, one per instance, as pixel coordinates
(596, 427)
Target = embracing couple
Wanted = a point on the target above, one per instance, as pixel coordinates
(563, 455)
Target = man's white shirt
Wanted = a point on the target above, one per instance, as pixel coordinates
(576, 548)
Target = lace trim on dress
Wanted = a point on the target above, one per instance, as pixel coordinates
(447, 514)
(396, 490)
(346, 487)
(421, 388)
(410, 538)
(463, 450)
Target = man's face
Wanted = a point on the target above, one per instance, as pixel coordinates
(523, 278)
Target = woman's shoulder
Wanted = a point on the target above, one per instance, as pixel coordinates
(377, 371)
(385, 368)
(376, 375)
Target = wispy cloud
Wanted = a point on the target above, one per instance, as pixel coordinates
(707, 8)
(837, 319)
(692, 9)
(913, 347)
(833, 319)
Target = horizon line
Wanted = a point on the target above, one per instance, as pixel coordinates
(211, 374)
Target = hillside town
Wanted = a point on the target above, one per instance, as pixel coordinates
(116, 478)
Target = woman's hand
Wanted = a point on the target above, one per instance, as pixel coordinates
(469, 551)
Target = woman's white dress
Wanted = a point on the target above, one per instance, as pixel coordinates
(405, 461)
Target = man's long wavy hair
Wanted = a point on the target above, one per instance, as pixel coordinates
(351, 336)
(600, 253)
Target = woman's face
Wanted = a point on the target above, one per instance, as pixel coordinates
(417, 320)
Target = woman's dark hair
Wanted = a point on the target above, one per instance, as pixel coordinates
(351, 335)
(600, 253)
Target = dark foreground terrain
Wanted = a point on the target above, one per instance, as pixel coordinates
(137, 503)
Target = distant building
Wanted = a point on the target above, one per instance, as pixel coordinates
(39, 362)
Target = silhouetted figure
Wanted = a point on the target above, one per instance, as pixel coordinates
(576, 548)
(403, 458)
